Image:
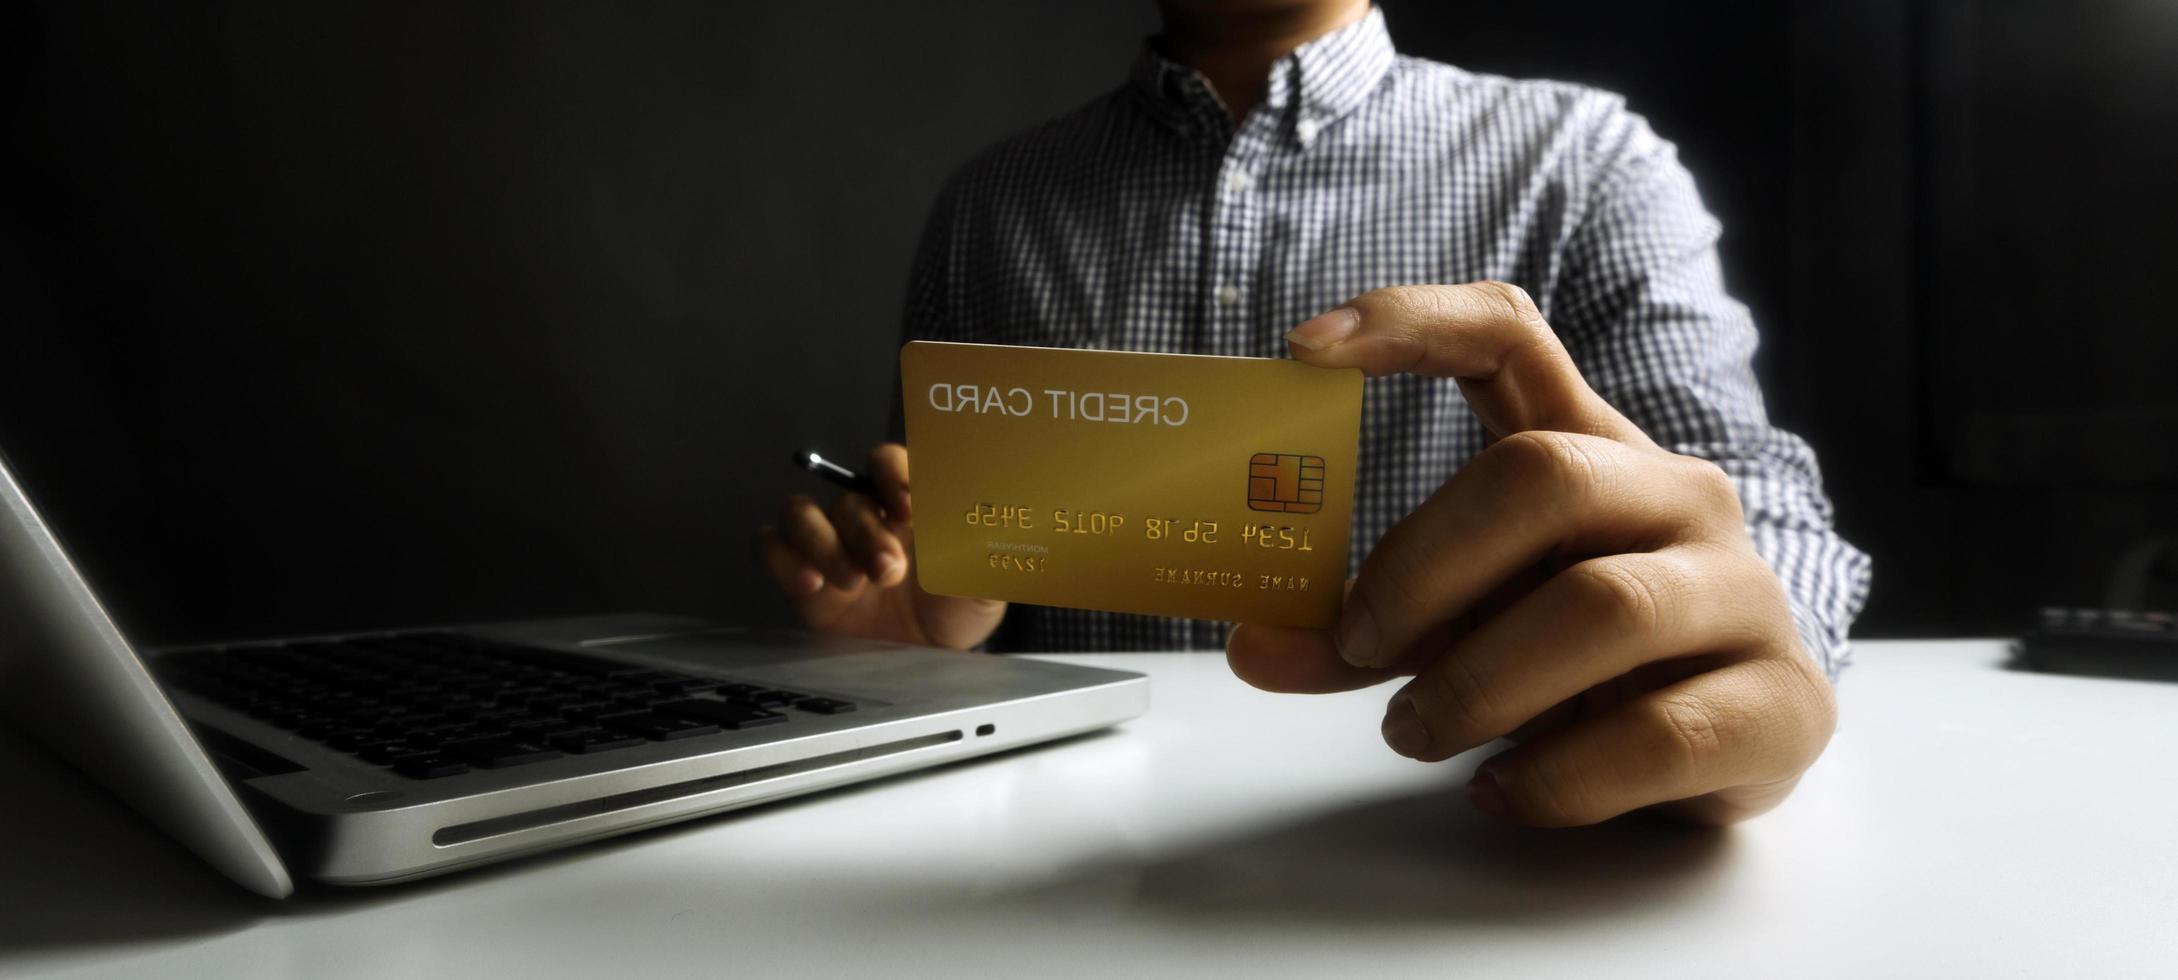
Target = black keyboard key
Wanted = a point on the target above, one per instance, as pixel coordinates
(387, 753)
(592, 710)
(429, 738)
(500, 750)
(288, 717)
(595, 740)
(544, 727)
(825, 706)
(658, 725)
(395, 697)
(725, 714)
(430, 766)
(396, 725)
(574, 663)
(351, 739)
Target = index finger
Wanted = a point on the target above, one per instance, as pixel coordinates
(889, 470)
(1283, 660)
(1487, 335)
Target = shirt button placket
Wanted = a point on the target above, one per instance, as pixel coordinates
(1233, 244)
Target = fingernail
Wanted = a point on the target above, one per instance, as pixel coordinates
(811, 580)
(1357, 635)
(1403, 729)
(886, 562)
(1485, 793)
(1327, 330)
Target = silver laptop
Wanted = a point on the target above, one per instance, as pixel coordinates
(382, 757)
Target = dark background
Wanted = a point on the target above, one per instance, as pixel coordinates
(321, 318)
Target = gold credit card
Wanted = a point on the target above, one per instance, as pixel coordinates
(1173, 484)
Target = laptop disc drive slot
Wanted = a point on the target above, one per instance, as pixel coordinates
(464, 833)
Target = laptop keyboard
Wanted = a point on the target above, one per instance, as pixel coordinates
(430, 705)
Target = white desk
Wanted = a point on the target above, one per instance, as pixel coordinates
(1969, 820)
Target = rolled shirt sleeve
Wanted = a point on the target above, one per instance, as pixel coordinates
(1641, 304)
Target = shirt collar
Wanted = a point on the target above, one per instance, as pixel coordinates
(1322, 80)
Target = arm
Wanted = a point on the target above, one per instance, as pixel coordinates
(1641, 307)
(849, 568)
(1595, 583)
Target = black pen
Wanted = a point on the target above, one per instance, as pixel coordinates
(838, 475)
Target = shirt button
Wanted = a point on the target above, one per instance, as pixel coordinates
(1228, 295)
(1237, 181)
(1305, 130)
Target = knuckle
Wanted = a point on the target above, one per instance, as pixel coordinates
(1820, 721)
(856, 521)
(854, 541)
(802, 522)
(1554, 796)
(1511, 302)
(1400, 317)
(1696, 733)
(1387, 300)
(864, 515)
(1457, 703)
(1635, 595)
(1377, 306)
(1539, 460)
(1757, 597)
(874, 543)
(1533, 341)
(1424, 303)
(1390, 586)
(1714, 489)
(1810, 703)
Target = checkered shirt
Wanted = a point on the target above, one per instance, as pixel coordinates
(1148, 221)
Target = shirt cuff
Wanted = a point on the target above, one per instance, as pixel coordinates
(1829, 648)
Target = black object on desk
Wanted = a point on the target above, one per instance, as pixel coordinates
(2103, 643)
